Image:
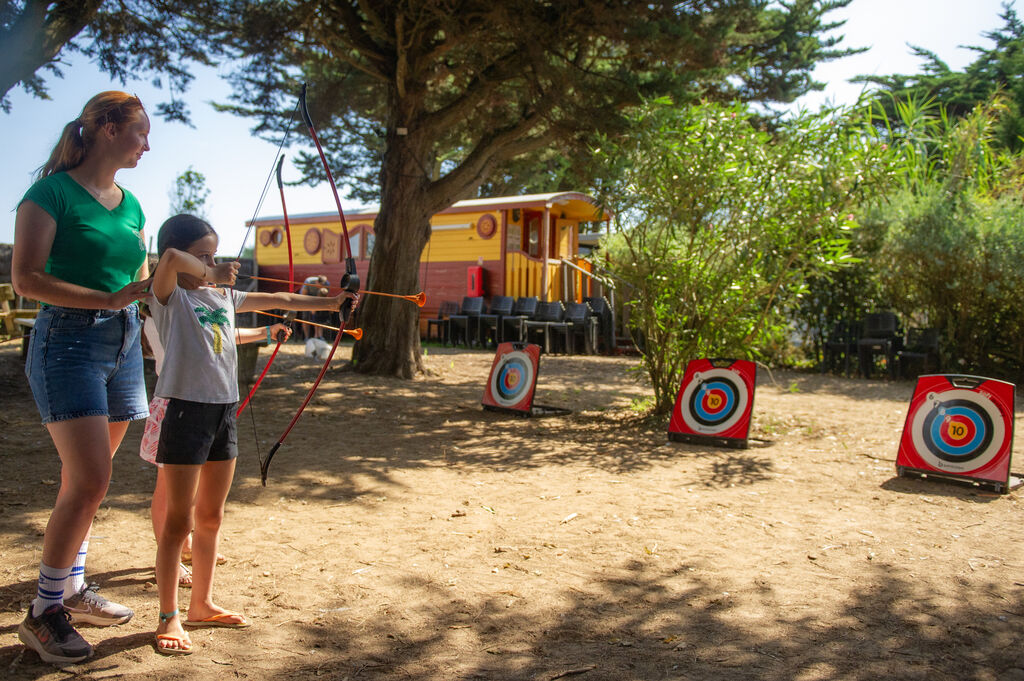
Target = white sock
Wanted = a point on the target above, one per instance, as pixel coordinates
(76, 580)
(51, 588)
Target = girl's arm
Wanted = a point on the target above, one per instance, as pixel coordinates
(256, 301)
(174, 262)
(261, 333)
(34, 231)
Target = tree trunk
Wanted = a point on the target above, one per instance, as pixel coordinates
(391, 332)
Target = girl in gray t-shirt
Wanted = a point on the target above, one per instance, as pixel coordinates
(198, 442)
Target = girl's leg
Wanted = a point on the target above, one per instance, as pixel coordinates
(158, 514)
(181, 482)
(214, 484)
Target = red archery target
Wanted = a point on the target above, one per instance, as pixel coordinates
(959, 426)
(714, 402)
(513, 377)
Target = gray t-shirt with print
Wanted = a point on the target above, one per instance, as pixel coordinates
(197, 330)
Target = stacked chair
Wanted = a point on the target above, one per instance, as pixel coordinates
(465, 326)
(583, 325)
(501, 307)
(442, 323)
(602, 310)
(547, 323)
(513, 327)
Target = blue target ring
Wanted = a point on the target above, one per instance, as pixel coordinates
(512, 379)
(939, 418)
(714, 401)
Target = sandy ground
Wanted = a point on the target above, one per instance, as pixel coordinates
(407, 534)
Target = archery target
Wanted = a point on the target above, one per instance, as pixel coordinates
(715, 400)
(513, 377)
(961, 425)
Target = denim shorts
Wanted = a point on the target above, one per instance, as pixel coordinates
(87, 363)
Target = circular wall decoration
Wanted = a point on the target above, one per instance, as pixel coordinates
(265, 236)
(957, 430)
(276, 236)
(714, 401)
(512, 379)
(486, 226)
(312, 241)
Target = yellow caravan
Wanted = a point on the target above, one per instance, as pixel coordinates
(514, 246)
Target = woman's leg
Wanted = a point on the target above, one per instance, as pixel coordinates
(214, 485)
(84, 447)
(181, 482)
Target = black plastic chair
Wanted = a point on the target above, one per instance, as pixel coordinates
(501, 307)
(466, 324)
(922, 346)
(841, 347)
(442, 323)
(513, 327)
(583, 325)
(602, 309)
(548, 322)
(882, 336)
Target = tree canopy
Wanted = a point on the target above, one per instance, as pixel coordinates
(998, 69)
(422, 102)
(126, 39)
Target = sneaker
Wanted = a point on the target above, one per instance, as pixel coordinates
(88, 607)
(52, 636)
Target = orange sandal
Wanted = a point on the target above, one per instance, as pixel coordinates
(185, 645)
(217, 621)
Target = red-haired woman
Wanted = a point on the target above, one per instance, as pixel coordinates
(79, 249)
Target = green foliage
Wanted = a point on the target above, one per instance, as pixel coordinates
(126, 39)
(189, 193)
(996, 70)
(722, 223)
(496, 96)
(945, 250)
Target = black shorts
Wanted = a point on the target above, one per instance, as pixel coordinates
(193, 433)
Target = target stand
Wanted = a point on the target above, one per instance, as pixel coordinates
(513, 380)
(959, 428)
(714, 403)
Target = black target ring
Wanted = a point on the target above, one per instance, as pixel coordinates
(938, 413)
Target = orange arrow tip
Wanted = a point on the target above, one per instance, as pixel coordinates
(420, 299)
(355, 333)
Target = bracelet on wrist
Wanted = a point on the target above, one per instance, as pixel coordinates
(268, 334)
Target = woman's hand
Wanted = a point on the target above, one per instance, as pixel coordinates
(137, 290)
(224, 273)
(277, 329)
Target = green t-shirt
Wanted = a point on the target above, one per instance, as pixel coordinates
(94, 247)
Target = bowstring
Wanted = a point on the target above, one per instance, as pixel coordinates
(248, 230)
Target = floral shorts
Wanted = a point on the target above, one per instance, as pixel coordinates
(151, 436)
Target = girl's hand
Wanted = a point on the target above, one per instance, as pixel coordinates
(337, 301)
(276, 331)
(137, 290)
(223, 273)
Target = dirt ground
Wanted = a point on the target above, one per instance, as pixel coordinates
(405, 533)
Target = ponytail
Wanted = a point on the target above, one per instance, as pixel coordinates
(79, 135)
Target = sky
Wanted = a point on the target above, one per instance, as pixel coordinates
(236, 164)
